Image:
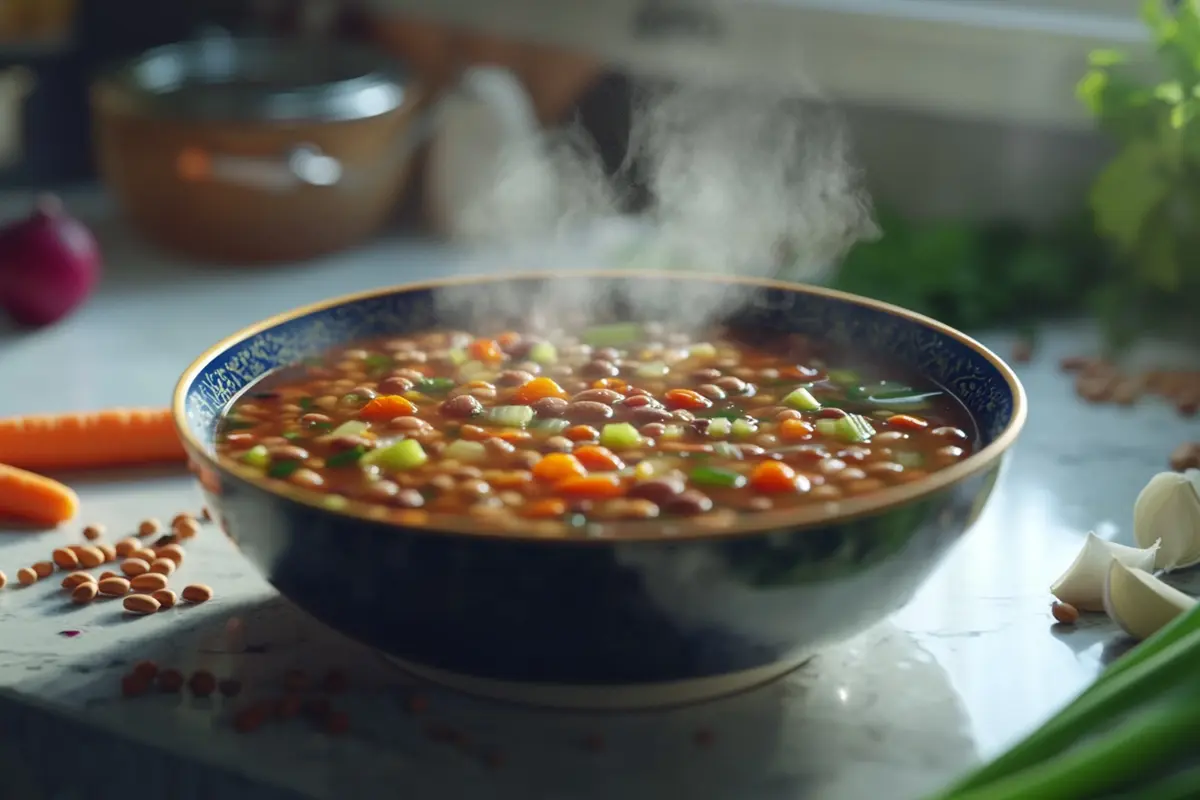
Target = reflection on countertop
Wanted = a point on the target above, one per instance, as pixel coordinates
(972, 663)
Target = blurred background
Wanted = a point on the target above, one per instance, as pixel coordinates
(1023, 159)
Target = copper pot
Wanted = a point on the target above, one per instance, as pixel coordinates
(256, 150)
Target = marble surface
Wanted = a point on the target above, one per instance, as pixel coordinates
(971, 664)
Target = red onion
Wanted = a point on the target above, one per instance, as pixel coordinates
(49, 264)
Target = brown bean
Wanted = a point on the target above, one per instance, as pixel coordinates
(145, 554)
(549, 407)
(1065, 613)
(600, 368)
(64, 559)
(627, 508)
(605, 396)
(126, 546)
(557, 444)
(498, 446)
(1186, 456)
(731, 384)
(113, 587)
(313, 419)
(84, 593)
(26, 576)
(171, 551)
(165, 597)
(90, 557)
(863, 486)
(409, 424)
(395, 385)
(197, 593)
(949, 432)
(134, 567)
(202, 683)
(148, 582)
(93, 532)
(588, 411)
(689, 503)
(513, 377)
(481, 390)
(149, 527)
(462, 407)
(141, 604)
(706, 375)
(3, 579)
(711, 391)
(288, 452)
(306, 479)
(652, 430)
(108, 573)
(788, 413)
(648, 414)
(162, 566)
(76, 578)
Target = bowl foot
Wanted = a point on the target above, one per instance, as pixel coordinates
(623, 697)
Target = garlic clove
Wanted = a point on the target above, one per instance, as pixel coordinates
(1140, 603)
(1082, 585)
(1168, 510)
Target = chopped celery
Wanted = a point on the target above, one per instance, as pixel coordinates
(434, 386)
(909, 459)
(510, 416)
(619, 434)
(715, 476)
(257, 456)
(335, 502)
(844, 377)
(672, 433)
(827, 427)
(550, 427)
(719, 428)
(802, 400)
(354, 427)
(702, 350)
(282, 469)
(652, 369)
(853, 428)
(543, 353)
(727, 450)
(744, 427)
(458, 357)
(618, 334)
(465, 451)
(346, 458)
(402, 455)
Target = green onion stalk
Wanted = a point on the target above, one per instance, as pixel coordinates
(1141, 715)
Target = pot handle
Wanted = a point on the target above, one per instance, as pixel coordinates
(302, 165)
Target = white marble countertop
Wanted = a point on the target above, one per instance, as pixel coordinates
(971, 664)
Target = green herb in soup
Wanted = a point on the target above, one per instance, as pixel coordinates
(619, 422)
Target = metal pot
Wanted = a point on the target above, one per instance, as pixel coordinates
(253, 150)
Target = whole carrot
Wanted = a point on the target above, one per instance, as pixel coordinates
(85, 440)
(27, 497)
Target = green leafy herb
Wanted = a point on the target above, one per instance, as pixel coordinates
(346, 458)
(282, 469)
(434, 386)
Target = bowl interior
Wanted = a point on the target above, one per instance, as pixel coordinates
(977, 378)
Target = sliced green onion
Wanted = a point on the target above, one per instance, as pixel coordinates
(715, 476)
(377, 362)
(434, 385)
(346, 458)
(550, 427)
(282, 469)
(510, 416)
(618, 334)
(718, 428)
(402, 455)
(458, 357)
(844, 377)
(702, 350)
(652, 369)
(543, 353)
(744, 427)
(257, 456)
(619, 435)
(354, 427)
(672, 433)
(802, 400)
(466, 451)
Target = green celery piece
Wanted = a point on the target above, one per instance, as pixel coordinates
(619, 434)
(257, 456)
(1150, 678)
(1138, 746)
(715, 476)
(801, 399)
(401, 455)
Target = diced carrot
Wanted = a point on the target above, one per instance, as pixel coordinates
(592, 487)
(486, 350)
(513, 435)
(532, 391)
(556, 467)
(581, 433)
(547, 508)
(30, 497)
(612, 384)
(773, 477)
(385, 407)
(598, 458)
(114, 437)
(907, 422)
(686, 399)
(793, 430)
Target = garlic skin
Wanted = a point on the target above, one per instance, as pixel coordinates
(1082, 585)
(1140, 603)
(1168, 510)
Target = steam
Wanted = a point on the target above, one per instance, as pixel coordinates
(752, 182)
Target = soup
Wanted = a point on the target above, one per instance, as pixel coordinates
(620, 422)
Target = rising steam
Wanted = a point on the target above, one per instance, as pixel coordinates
(749, 182)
